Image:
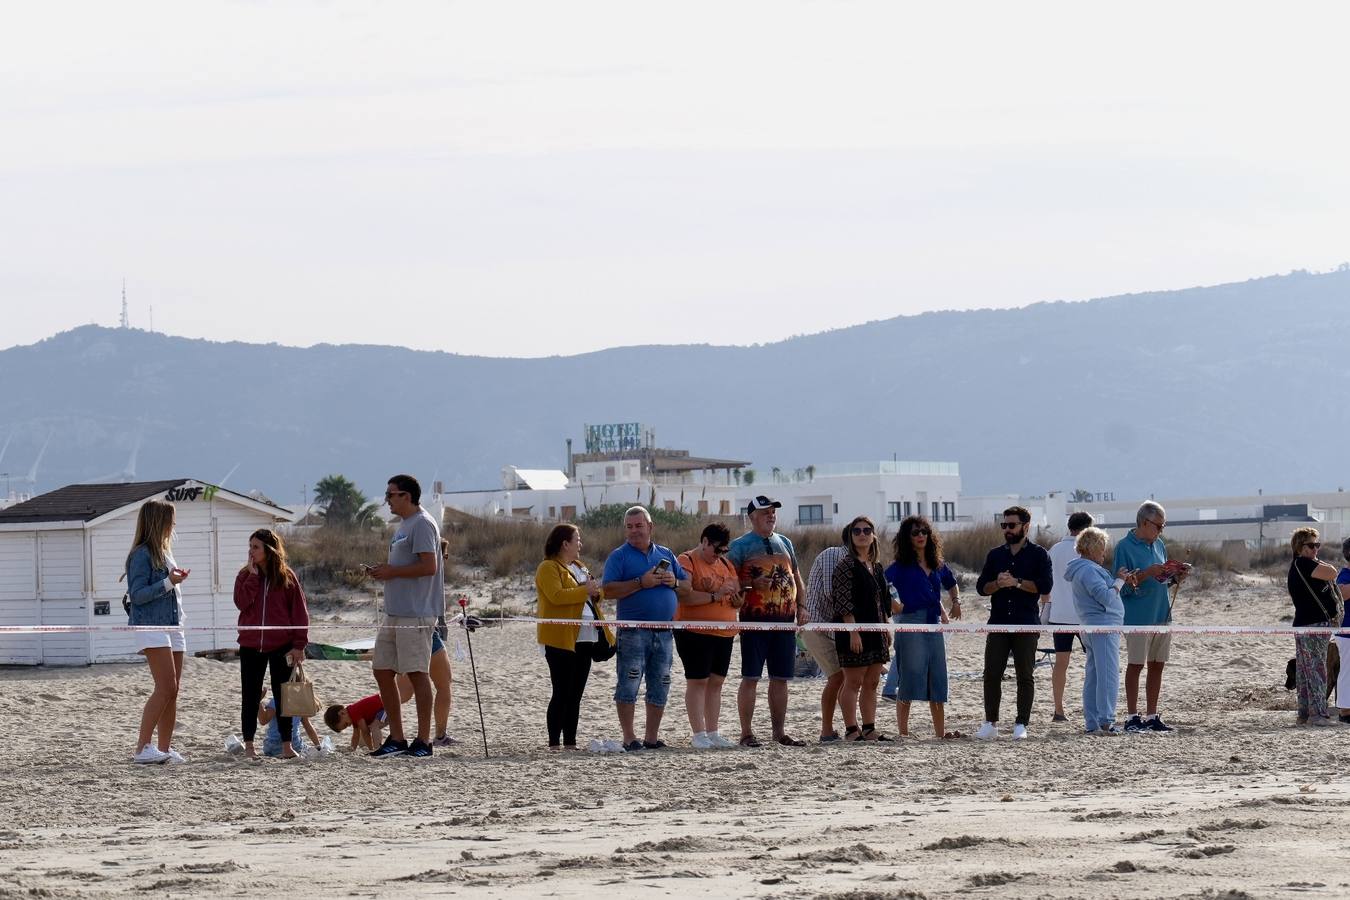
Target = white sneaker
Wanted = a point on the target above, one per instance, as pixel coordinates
(701, 741)
(988, 732)
(174, 757)
(150, 755)
(720, 742)
(1019, 732)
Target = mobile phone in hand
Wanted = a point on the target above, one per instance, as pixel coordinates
(663, 567)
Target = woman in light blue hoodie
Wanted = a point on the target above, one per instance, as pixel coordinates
(1096, 598)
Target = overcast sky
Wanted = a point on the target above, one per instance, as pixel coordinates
(524, 179)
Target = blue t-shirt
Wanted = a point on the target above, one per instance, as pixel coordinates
(920, 592)
(1343, 577)
(272, 740)
(653, 604)
(1146, 604)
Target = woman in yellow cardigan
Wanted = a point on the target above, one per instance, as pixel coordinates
(566, 591)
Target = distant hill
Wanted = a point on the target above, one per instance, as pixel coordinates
(1207, 390)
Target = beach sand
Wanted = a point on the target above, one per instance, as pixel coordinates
(1238, 803)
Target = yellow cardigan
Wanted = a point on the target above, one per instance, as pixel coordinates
(560, 597)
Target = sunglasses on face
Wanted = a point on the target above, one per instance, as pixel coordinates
(721, 551)
(862, 529)
(1009, 526)
(1158, 525)
(1314, 544)
(920, 531)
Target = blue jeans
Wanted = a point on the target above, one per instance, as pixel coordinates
(892, 685)
(643, 653)
(1101, 682)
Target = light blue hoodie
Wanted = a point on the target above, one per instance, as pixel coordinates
(1094, 594)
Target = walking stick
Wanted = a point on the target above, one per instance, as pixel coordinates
(464, 620)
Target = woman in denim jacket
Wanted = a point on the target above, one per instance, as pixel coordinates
(153, 580)
(1096, 599)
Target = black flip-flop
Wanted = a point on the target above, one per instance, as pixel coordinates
(657, 744)
(750, 741)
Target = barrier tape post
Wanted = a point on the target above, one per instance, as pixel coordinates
(468, 636)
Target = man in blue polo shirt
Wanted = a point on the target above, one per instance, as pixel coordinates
(642, 576)
(1146, 603)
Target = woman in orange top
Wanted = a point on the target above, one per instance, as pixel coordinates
(566, 591)
(713, 595)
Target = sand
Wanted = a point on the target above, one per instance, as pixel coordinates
(1238, 803)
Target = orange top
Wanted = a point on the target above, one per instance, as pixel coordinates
(707, 578)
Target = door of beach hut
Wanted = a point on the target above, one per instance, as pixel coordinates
(18, 597)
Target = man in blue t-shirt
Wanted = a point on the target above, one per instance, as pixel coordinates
(643, 577)
(1143, 554)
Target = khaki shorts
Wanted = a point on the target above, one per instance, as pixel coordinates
(820, 644)
(404, 649)
(1147, 648)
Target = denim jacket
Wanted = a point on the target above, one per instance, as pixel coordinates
(154, 601)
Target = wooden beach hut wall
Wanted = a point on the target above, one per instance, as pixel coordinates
(62, 553)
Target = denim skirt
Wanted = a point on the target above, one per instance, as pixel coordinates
(922, 658)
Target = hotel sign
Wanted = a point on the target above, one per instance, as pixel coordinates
(615, 438)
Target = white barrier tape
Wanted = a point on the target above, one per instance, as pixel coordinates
(952, 628)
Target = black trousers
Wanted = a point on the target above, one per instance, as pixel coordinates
(568, 670)
(253, 665)
(996, 649)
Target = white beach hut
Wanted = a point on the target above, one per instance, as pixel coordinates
(62, 553)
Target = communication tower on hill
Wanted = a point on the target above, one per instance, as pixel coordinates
(125, 322)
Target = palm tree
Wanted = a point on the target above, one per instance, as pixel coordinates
(810, 473)
(749, 477)
(344, 506)
(777, 474)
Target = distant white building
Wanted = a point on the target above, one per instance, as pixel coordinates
(886, 491)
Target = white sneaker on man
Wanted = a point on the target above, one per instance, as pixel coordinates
(1019, 732)
(701, 741)
(988, 731)
(150, 755)
(720, 742)
(174, 757)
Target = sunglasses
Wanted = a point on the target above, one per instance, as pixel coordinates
(1316, 545)
(862, 529)
(721, 551)
(923, 531)
(1158, 525)
(1009, 526)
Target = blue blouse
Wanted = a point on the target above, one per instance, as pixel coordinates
(920, 592)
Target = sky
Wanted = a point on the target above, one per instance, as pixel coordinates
(529, 179)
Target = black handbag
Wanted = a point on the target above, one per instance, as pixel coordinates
(602, 648)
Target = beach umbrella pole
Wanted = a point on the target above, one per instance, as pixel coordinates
(468, 637)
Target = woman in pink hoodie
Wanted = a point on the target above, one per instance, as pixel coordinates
(267, 592)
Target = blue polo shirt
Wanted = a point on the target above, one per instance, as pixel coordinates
(653, 604)
(921, 592)
(1146, 604)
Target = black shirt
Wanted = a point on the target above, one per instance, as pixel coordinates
(1014, 606)
(1311, 607)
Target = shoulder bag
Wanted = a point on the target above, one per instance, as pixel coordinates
(603, 648)
(297, 697)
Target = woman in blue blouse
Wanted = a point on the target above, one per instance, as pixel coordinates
(919, 577)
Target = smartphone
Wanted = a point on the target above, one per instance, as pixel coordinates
(663, 567)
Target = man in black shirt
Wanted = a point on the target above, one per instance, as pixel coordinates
(1014, 578)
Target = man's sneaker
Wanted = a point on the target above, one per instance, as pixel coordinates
(1135, 725)
(444, 740)
(701, 741)
(174, 757)
(1019, 732)
(1156, 724)
(419, 748)
(150, 755)
(720, 741)
(988, 731)
(389, 748)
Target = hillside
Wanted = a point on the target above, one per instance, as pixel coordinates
(1207, 390)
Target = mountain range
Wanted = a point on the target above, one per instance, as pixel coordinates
(1208, 390)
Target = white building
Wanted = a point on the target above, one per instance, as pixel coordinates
(62, 555)
(1258, 521)
(661, 479)
(886, 491)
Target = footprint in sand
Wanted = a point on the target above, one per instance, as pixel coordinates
(51, 698)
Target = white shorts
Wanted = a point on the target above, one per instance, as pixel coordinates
(1343, 680)
(174, 639)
